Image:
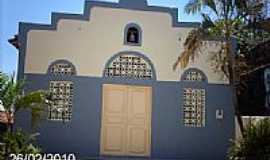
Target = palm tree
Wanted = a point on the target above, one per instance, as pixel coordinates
(227, 18)
(13, 99)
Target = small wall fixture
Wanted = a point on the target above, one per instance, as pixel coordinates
(219, 114)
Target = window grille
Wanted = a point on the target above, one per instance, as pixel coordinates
(129, 66)
(62, 69)
(194, 76)
(62, 93)
(194, 107)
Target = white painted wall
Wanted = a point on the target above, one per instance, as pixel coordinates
(89, 44)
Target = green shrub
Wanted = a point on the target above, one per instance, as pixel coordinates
(18, 142)
(255, 144)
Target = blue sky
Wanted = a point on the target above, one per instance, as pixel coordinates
(39, 11)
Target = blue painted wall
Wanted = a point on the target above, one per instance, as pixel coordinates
(170, 139)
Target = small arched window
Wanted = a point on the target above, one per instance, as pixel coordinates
(133, 35)
(62, 67)
(193, 74)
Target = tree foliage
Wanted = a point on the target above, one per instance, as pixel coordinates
(14, 99)
(19, 142)
(255, 144)
(227, 20)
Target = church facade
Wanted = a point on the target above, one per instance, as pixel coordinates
(115, 93)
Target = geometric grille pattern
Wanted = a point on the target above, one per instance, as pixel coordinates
(62, 69)
(194, 107)
(129, 66)
(62, 93)
(193, 76)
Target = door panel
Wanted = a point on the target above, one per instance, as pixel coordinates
(114, 115)
(137, 141)
(139, 111)
(114, 139)
(115, 97)
(126, 120)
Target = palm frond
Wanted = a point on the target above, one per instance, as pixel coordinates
(9, 90)
(9, 94)
(207, 22)
(212, 5)
(3, 81)
(30, 100)
(196, 6)
(193, 6)
(191, 45)
(36, 102)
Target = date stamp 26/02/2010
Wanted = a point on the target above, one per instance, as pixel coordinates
(42, 156)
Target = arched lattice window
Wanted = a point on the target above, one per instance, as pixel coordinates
(61, 91)
(132, 66)
(193, 74)
(133, 35)
(62, 67)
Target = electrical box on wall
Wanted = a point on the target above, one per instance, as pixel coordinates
(219, 114)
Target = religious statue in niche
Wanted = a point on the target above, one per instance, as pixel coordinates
(133, 35)
(267, 86)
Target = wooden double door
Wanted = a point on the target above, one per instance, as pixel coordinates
(126, 120)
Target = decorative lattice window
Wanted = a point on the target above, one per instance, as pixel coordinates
(194, 107)
(62, 93)
(129, 66)
(62, 68)
(193, 76)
